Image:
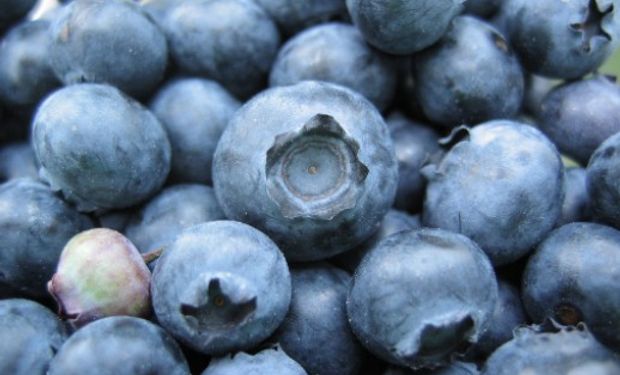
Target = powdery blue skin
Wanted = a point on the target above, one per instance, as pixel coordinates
(30, 336)
(602, 176)
(502, 186)
(120, 346)
(564, 350)
(457, 368)
(579, 116)
(175, 208)
(573, 277)
(471, 75)
(194, 112)
(102, 149)
(268, 361)
(25, 73)
(394, 221)
(231, 41)
(337, 53)
(562, 39)
(536, 89)
(402, 27)
(415, 144)
(108, 41)
(576, 205)
(35, 225)
(482, 8)
(316, 330)
(16, 161)
(422, 296)
(12, 10)
(158, 9)
(293, 16)
(312, 165)
(221, 287)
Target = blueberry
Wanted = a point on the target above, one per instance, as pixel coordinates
(421, 296)
(471, 75)
(572, 277)
(602, 177)
(115, 220)
(293, 16)
(402, 27)
(536, 89)
(482, 8)
(316, 331)
(579, 116)
(25, 73)
(120, 346)
(39, 317)
(17, 160)
(175, 208)
(13, 10)
(541, 350)
(415, 144)
(221, 287)
(231, 41)
(501, 185)
(312, 165)
(457, 368)
(194, 113)
(336, 52)
(35, 225)
(268, 361)
(562, 39)
(576, 205)
(102, 149)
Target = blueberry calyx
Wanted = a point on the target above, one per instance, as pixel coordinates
(568, 314)
(315, 172)
(592, 25)
(218, 301)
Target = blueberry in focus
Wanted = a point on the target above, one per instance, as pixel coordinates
(293, 16)
(579, 116)
(268, 361)
(194, 113)
(231, 41)
(402, 27)
(35, 225)
(119, 346)
(602, 176)
(422, 296)
(471, 75)
(576, 205)
(113, 42)
(221, 287)
(102, 149)
(501, 185)
(337, 53)
(573, 276)
(17, 160)
(316, 332)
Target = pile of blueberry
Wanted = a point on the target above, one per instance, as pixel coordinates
(322, 187)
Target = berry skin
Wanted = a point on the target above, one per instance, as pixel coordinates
(602, 176)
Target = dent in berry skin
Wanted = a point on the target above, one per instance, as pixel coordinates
(602, 176)
(267, 361)
(100, 274)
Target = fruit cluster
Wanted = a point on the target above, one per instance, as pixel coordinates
(316, 187)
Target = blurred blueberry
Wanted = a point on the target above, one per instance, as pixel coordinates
(17, 160)
(294, 15)
(536, 89)
(482, 8)
(13, 10)
(268, 361)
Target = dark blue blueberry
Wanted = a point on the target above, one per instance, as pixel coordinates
(221, 287)
(269, 361)
(108, 41)
(115, 220)
(13, 10)
(422, 296)
(194, 112)
(231, 41)
(337, 53)
(402, 27)
(576, 206)
(579, 116)
(540, 350)
(457, 368)
(312, 165)
(394, 221)
(17, 160)
(25, 73)
(175, 208)
(562, 39)
(316, 331)
(294, 15)
(102, 149)
(482, 8)
(602, 176)
(415, 144)
(35, 225)
(119, 346)
(30, 335)
(573, 277)
(501, 185)
(470, 76)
